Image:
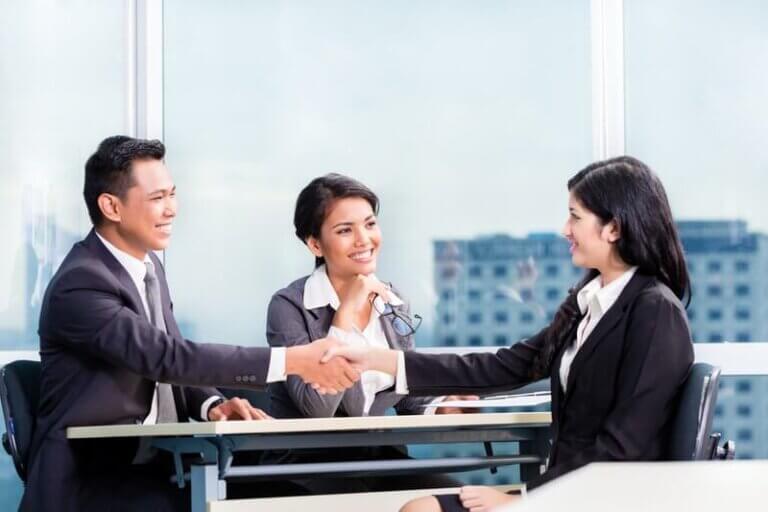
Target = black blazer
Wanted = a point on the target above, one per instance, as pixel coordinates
(100, 360)
(623, 384)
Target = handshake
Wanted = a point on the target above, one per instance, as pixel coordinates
(330, 366)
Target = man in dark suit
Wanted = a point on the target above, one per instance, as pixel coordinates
(112, 352)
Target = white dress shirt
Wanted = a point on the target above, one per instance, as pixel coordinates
(319, 292)
(594, 301)
(137, 270)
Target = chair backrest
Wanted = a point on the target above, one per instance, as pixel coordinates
(692, 424)
(19, 394)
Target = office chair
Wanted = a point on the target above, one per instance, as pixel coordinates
(19, 394)
(691, 438)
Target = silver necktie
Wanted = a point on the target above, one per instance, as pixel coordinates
(166, 406)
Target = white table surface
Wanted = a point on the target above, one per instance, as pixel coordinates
(519, 419)
(701, 486)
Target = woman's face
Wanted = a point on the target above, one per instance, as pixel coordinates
(350, 238)
(592, 242)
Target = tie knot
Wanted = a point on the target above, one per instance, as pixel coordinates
(151, 275)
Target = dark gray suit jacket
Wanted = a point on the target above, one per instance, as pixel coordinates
(100, 360)
(288, 324)
(623, 385)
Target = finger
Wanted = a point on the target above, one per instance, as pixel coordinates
(316, 386)
(216, 414)
(241, 409)
(259, 414)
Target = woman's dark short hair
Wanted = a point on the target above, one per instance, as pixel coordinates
(316, 199)
(108, 170)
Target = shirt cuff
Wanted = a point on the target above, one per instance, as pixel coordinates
(433, 405)
(276, 371)
(207, 405)
(401, 382)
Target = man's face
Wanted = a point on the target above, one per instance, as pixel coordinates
(149, 207)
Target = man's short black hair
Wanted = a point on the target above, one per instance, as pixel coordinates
(108, 170)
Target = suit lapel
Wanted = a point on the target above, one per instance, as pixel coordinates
(95, 245)
(605, 326)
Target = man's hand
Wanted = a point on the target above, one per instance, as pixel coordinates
(236, 409)
(333, 376)
(457, 410)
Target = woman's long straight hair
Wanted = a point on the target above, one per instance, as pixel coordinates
(623, 190)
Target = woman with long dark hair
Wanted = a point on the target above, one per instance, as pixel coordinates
(617, 351)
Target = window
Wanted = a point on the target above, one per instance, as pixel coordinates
(552, 270)
(449, 341)
(447, 295)
(718, 410)
(475, 318)
(475, 271)
(714, 267)
(526, 317)
(447, 318)
(475, 295)
(553, 294)
(743, 336)
(691, 314)
(499, 271)
(742, 314)
(742, 290)
(741, 266)
(476, 341)
(526, 294)
(714, 291)
(715, 314)
(744, 435)
(743, 386)
(448, 273)
(744, 411)
(715, 337)
(501, 317)
(501, 340)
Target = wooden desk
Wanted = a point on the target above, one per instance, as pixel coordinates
(700, 486)
(216, 442)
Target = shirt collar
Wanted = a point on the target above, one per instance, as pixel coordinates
(319, 292)
(600, 298)
(135, 267)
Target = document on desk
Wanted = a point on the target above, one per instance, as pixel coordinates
(524, 400)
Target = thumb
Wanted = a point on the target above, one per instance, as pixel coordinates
(329, 354)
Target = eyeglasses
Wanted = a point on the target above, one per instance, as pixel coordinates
(401, 323)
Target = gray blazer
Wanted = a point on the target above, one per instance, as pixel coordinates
(289, 324)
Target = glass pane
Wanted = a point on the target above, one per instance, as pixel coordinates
(63, 83)
(463, 118)
(697, 112)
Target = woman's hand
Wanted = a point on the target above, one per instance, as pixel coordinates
(355, 297)
(457, 410)
(363, 359)
(484, 499)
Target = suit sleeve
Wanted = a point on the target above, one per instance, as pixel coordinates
(87, 313)
(658, 356)
(286, 328)
(481, 373)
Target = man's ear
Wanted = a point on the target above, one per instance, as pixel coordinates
(314, 246)
(612, 232)
(110, 207)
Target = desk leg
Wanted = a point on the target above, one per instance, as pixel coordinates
(539, 446)
(206, 486)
